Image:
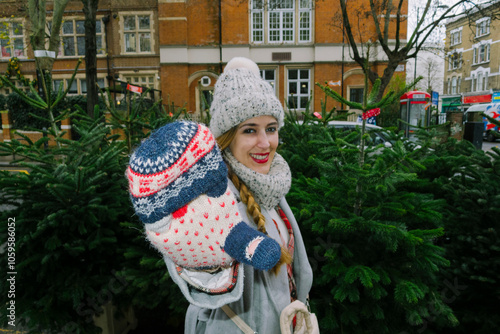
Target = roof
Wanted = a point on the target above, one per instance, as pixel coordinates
(484, 5)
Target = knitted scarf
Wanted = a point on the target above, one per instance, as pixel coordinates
(268, 189)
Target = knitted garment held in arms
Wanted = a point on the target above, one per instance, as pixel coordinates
(177, 164)
(176, 192)
(198, 232)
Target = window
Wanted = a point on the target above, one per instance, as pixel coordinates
(73, 38)
(481, 53)
(281, 21)
(147, 81)
(207, 98)
(449, 86)
(83, 84)
(356, 95)
(6, 90)
(454, 85)
(483, 26)
(479, 81)
(270, 77)
(12, 39)
(459, 85)
(456, 36)
(57, 84)
(454, 60)
(298, 88)
(137, 33)
(78, 86)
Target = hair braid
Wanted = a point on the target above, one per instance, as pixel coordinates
(253, 208)
(246, 196)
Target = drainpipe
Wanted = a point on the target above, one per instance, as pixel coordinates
(109, 77)
(105, 20)
(220, 36)
(342, 85)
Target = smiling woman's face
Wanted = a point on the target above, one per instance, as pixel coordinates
(255, 143)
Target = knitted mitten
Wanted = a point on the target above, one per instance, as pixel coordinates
(179, 189)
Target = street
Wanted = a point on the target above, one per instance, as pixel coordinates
(488, 145)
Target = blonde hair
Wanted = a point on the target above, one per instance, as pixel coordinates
(253, 208)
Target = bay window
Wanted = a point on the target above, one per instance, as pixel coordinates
(281, 21)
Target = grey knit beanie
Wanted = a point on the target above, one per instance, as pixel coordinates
(240, 94)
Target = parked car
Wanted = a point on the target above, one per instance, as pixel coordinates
(377, 134)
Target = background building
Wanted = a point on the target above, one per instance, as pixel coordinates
(295, 43)
(179, 47)
(127, 43)
(472, 72)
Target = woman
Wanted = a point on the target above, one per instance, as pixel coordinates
(246, 117)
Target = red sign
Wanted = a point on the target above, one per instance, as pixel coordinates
(134, 89)
(477, 99)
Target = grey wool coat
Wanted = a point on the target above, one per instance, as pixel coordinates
(262, 296)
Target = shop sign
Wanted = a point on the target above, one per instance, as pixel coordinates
(477, 99)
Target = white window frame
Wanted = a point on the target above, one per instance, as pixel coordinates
(448, 88)
(285, 32)
(74, 19)
(300, 31)
(75, 35)
(9, 40)
(453, 85)
(456, 36)
(459, 85)
(454, 64)
(298, 81)
(6, 90)
(77, 83)
(136, 79)
(273, 81)
(483, 48)
(479, 84)
(124, 76)
(483, 26)
(138, 31)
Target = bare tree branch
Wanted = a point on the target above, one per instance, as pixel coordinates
(392, 13)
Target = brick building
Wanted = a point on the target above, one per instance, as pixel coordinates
(472, 64)
(127, 42)
(179, 47)
(295, 43)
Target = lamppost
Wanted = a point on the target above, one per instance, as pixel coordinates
(416, 40)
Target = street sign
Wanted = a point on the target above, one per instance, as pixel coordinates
(435, 98)
(496, 97)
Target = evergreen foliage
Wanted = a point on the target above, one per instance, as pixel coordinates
(3, 101)
(375, 257)
(25, 117)
(67, 211)
(468, 180)
(402, 239)
(138, 116)
(78, 243)
(373, 251)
